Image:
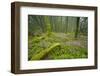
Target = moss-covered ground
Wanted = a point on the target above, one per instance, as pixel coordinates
(57, 46)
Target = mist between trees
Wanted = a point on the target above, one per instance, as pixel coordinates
(65, 24)
(58, 36)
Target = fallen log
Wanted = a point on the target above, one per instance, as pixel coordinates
(43, 53)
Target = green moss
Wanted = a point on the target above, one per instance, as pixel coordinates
(46, 47)
(44, 52)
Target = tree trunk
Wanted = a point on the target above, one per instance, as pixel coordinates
(77, 27)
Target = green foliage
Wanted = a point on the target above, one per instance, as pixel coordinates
(57, 37)
(69, 52)
(45, 47)
(44, 52)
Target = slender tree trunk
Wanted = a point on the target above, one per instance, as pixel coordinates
(77, 27)
(66, 24)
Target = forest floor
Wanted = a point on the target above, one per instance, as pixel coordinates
(57, 46)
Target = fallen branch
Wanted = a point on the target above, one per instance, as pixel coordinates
(44, 52)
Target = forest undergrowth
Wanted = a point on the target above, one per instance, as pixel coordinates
(57, 46)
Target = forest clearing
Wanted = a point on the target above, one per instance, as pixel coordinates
(57, 37)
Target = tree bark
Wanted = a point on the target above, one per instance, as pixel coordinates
(77, 27)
